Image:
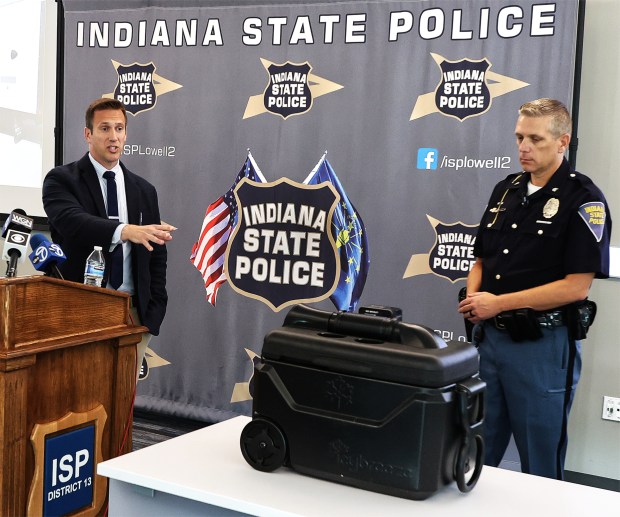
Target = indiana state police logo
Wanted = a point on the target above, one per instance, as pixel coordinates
(282, 250)
(288, 92)
(291, 90)
(451, 257)
(135, 88)
(463, 91)
(138, 86)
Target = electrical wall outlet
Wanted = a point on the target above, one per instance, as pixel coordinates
(611, 408)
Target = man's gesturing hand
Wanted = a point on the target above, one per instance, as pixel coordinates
(157, 233)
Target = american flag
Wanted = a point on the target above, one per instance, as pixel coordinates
(208, 253)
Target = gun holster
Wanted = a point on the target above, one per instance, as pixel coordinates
(580, 317)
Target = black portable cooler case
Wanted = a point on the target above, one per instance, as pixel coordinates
(367, 401)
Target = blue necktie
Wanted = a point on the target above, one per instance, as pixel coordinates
(116, 267)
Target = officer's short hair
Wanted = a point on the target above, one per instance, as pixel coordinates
(561, 122)
(103, 104)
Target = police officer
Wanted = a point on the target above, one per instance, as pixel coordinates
(543, 237)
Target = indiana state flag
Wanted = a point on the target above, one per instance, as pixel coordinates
(350, 237)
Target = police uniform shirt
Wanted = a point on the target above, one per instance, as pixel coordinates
(526, 241)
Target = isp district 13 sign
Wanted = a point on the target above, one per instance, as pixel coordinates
(66, 453)
(69, 471)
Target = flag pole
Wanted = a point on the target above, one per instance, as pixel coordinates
(316, 167)
(256, 167)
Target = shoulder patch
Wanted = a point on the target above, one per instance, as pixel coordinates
(593, 214)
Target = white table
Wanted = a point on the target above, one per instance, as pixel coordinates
(204, 473)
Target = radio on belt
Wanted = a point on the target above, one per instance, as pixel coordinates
(367, 401)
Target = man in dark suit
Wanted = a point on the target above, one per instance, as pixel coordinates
(77, 200)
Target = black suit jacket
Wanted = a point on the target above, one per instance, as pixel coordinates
(74, 204)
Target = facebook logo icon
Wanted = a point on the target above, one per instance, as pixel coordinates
(427, 158)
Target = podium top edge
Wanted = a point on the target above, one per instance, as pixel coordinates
(67, 283)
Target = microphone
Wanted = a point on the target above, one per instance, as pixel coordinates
(525, 201)
(16, 232)
(46, 256)
(17, 220)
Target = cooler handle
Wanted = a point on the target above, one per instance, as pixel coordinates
(364, 326)
(470, 398)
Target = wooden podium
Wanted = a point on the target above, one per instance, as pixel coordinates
(67, 359)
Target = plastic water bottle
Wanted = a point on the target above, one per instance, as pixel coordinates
(95, 267)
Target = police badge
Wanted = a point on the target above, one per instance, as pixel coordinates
(551, 208)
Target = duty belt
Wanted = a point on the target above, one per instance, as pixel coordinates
(548, 319)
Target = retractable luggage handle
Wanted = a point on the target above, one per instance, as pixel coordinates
(468, 393)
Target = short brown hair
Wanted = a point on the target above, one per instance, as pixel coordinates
(103, 104)
(561, 122)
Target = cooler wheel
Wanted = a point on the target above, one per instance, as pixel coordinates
(263, 445)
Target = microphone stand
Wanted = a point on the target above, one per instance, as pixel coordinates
(55, 272)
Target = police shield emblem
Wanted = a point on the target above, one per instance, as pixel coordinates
(594, 215)
(463, 91)
(135, 88)
(282, 250)
(453, 253)
(288, 92)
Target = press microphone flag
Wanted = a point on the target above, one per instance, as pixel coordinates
(17, 220)
(16, 232)
(15, 244)
(46, 256)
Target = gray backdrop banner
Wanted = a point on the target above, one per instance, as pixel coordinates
(415, 101)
